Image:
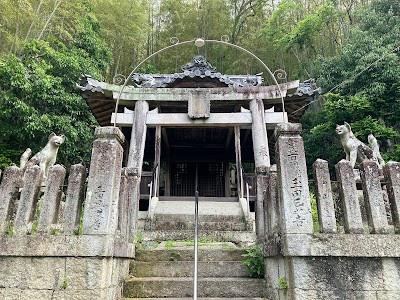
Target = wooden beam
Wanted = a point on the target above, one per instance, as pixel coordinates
(157, 160)
(215, 119)
(213, 94)
(238, 155)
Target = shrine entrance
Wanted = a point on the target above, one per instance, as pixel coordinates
(207, 178)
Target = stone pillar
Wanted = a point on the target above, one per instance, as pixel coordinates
(11, 182)
(293, 181)
(392, 175)
(271, 206)
(326, 209)
(136, 149)
(259, 134)
(138, 137)
(74, 198)
(373, 197)
(101, 205)
(348, 192)
(262, 161)
(51, 198)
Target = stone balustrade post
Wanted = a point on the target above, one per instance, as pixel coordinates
(293, 181)
(349, 196)
(32, 180)
(10, 183)
(51, 198)
(74, 198)
(373, 197)
(326, 209)
(101, 205)
(392, 175)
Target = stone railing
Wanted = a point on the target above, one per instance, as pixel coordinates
(356, 253)
(374, 209)
(73, 242)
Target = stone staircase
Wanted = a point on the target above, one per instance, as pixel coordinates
(221, 221)
(166, 272)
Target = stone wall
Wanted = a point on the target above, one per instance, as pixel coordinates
(355, 254)
(71, 242)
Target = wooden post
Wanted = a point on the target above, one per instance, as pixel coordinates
(238, 161)
(167, 167)
(157, 160)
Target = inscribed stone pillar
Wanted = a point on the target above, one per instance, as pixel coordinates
(292, 180)
(392, 175)
(262, 161)
(101, 205)
(373, 197)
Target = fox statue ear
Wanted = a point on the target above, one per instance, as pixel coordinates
(52, 135)
(347, 125)
(62, 137)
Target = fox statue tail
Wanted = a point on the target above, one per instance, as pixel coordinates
(24, 158)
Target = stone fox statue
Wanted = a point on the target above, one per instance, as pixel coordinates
(46, 157)
(355, 149)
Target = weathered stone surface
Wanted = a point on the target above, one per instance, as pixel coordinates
(68, 246)
(88, 273)
(259, 134)
(348, 192)
(74, 198)
(343, 278)
(183, 287)
(292, 180)
(185, 269)
(51, 198)
(198, 105)
(326, 209)
(31, 273)
(272, 207)
(101, 205)
(10, 183)
(28, 199)
(375, 205)
(392, 174)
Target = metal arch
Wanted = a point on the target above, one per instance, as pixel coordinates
(193, 42)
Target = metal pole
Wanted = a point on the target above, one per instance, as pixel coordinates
(196, 216)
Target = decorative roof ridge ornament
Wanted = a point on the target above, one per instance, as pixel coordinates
(199, 66)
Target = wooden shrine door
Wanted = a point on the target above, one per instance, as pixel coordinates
(207, 177)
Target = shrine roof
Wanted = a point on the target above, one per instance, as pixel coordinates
(198, 76)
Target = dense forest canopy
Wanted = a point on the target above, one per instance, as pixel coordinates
(351, 48)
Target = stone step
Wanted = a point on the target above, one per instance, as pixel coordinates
(217, 236)
(201, 298)
(208, 211)
(189, 225)
(185, 269)
(184, 251)
(164, 287)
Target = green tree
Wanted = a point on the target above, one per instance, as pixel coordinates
(365, 76)
(37, 95)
